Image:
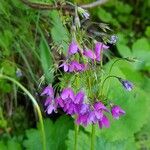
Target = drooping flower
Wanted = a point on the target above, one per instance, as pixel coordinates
(67, 93)
(50, 101)
(51, 108)
(89, 54)
(126, 84)
(117, 112)
(100, 106)
(75, 66)
(48, 91)
(98, 49)
(65, 66)
(113, 39)
(82, 119)
(104, 122)
(73, 48)
(79, 98)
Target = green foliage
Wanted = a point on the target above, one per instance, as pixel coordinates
(56, 134)
(100, 142)
(10, 145)
(59, 33)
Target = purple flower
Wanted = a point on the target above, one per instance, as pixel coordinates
(89, 54)
(50, 109)
(126, 84)
(65, 66)
(72, 109)
(84, 108)
(67, 93)
(73, 48)
(104, 122)
(82, 119)
(98, 48)
(75, 66)
(100, 106)
(117, 112)
(50, 101)
(60, 102)
(79, 98)
(92, 117)
(48, 91)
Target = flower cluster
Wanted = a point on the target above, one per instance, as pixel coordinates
(79, 105)
(75, 105)
(74, 65)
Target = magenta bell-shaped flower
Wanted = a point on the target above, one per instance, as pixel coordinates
(67, 93)
(116, 112)
(48, 91)
(104, 122)
(73, 48)
(98, 49)
(89, 54)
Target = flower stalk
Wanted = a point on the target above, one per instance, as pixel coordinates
(93, 137)
(76, 136)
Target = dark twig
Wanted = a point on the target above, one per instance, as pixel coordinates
(46, 6)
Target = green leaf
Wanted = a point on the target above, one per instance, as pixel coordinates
(46, 61)
(141, 50)
(124, 50)
(10, 145)
(56, 134)
(59, 33)
(106, 16)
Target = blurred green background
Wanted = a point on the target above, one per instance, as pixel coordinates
(26, 38)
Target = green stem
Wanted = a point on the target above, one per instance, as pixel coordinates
(102, 87)
(35, 104)
(114, 64)
(93, 137)
(76, 136)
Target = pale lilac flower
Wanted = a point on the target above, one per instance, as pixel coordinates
(73, 48)
(117, 112)
(67, 93)
(48, 91)
(113, 39)
(50, 101)
(65, 66)
(104, 122)
(126, 84)
(98, 49)
(89, 54)
(51, 108)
